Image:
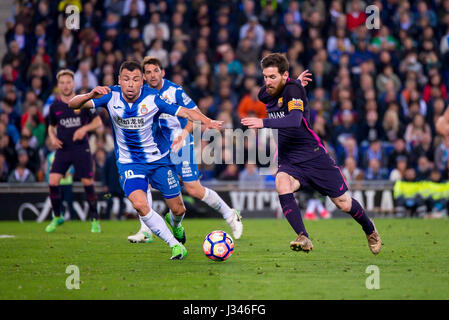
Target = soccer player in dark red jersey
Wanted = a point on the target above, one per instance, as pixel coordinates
(68, 133)
(303, 160)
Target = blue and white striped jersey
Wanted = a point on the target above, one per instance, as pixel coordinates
(137, 136)
(171, 125)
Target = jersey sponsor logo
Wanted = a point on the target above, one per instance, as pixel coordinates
(117, 107)
(280, 102)
(295, 104)
(70, 122)
(132, 123)
(165, 116)
(186, 170)
(276, 115)
(185, 99)
(171, 180)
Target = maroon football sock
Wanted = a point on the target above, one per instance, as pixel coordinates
(92, 201)
(55, 198)
(292, 213)
(361, 217)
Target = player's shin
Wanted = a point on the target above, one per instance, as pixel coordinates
(55, 198)
(92, 201)
(292, 213)
(359, 215)
(158, 226)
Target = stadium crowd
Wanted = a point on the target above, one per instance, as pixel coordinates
(376, 92)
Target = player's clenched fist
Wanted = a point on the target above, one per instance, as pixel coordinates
(99, 91)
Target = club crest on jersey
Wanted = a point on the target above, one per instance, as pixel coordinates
(295, 104)
(280, 102)
(143, 109)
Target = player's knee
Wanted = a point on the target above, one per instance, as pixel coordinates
(283, 184)
(344, 204)
(141, 206)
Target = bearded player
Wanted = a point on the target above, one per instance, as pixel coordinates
(303, 160)
(68, 134)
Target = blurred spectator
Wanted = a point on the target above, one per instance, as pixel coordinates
(399, 151)
(351, 172)
(375, 171)
(4, 169)
(84, 76)
(398, 173)
(250, 103)
(250, 177)
(415, 131)
(253, 30)
(375, 151)
(21, 173)
(423, 169)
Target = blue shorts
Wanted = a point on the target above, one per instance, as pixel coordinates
(160, 174)
(185, 164)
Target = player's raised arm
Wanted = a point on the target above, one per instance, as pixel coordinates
(85, 100)
(442, 124)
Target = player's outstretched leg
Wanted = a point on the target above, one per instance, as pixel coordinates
(353, 207)
(56, 203)
(213, 200)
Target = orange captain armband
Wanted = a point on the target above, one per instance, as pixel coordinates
(295, 104)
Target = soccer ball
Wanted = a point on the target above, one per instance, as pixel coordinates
(218, 245)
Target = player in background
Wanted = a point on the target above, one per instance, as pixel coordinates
(68, 134)
(141, 150)
(303, 160)
(178, 131)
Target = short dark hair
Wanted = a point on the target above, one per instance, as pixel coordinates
(151, 60)
(275, 60)
(130, 65)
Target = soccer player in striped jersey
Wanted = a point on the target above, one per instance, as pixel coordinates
(178, 131)
(303, 160)
(141, 150)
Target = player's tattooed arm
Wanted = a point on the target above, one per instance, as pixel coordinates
(442, 124)
(194, 115)
(85, 100)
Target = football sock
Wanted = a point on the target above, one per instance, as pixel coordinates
(92, 201)
(292, 213)
(361, 217)
(143, 226)
(214, 201)
(176, 220)
(55, 198)
(158, 226)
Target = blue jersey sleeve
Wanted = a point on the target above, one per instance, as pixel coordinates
(102, 102)
(184, 100)
(165, 106)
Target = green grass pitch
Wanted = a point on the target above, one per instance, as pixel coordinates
(413, 264)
